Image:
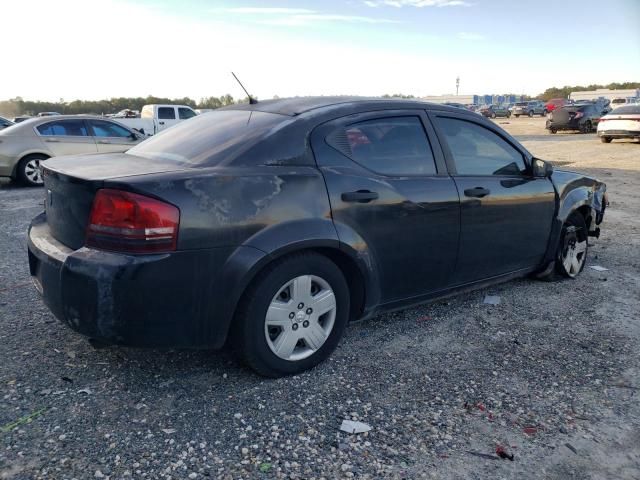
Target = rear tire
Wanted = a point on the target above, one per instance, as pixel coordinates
(553, 130)
(586, 127)
(276, 336)
(530, 113)
(28, 170)
(493, 115)
(517, 115)
(606, 139)
(544, 113)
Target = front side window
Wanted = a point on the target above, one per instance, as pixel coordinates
(107, 129)
(389, 146)
(476, 150)
(166, 113)
(185, 113)
(69, 128)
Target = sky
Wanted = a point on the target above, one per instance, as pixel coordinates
(84, 49)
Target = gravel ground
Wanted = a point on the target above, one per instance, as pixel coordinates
(551, 375)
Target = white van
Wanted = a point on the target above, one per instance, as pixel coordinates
(155, 118)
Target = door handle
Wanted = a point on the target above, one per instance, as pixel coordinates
(161, 123)
(52, 140)
(361, 196)
(477, 192)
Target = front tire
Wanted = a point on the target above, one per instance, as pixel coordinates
(292, 316)
(553, 130)
(530, 113)
(586, 127)
(605, 139)
(28, 171)
(572, 251)
(493, 115)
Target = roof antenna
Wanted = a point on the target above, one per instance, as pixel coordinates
(252, 101)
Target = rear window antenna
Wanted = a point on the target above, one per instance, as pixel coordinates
(252, 101)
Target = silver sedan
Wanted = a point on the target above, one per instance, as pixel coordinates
(24, 145)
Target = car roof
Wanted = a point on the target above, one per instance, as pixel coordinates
(299, 105)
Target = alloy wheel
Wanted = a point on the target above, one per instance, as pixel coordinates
(574, 252)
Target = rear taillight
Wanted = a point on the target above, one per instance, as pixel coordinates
(127, 222)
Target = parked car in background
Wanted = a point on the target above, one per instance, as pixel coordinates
(554, 103)
(21, 118)
(24, 146)
(493, 111)
(530, 108)
(4, 123)
(622, 122)
(581, 117)
(155, 118)
(48, 114)
(274, 224)
(619, 102)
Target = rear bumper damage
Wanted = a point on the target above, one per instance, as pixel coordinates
(137, 300)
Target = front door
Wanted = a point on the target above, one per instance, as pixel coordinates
(166, 117)
(66, 137)
(506, 212)
(111, 137)
(390, 194)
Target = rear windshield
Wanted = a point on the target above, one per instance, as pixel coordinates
(521, 104)
(628, 109)
(209, 139)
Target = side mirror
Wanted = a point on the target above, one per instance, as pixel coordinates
(133, 136)
(542, 168)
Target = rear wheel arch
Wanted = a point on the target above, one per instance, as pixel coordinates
(353, 273)
(28, 155)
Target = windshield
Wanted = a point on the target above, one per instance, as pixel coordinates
(521, 104)
(209, 139)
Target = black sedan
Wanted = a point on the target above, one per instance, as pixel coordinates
(273, 225)
(580, 117)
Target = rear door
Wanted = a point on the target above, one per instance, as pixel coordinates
(111, 137)
(166, 117)
(390, 194)
(66, 137)
(506, 213)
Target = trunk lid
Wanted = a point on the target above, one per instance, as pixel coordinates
(71, 183)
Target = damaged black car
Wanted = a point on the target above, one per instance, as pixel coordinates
(272, 225)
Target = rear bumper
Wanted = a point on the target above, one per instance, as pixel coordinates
(571, 125)
(160, 300)
(619, 133)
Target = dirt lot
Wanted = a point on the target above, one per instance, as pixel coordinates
(552, 374)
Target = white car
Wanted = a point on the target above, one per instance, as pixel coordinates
(623, 122)
(155, 118)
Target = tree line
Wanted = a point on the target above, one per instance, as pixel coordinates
(19, 106)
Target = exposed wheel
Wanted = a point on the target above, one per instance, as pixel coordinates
(586, 127)
(530, 113)
(573, 247)
(606, 139)
(493, 115)
(292, 316)
(28, 170)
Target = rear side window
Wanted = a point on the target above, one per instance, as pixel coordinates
(166, 113)
(389, 146)
(108, 129)
(629, 110)
(476, 150)
(69, 128)
(185, 113)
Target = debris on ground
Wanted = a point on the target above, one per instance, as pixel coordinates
(86, 391)
(351, 426)
(22, 420)
(169, 431)
(571, 447)
(492, 300)
(502, 453)
(598, 268)
(483, 455)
